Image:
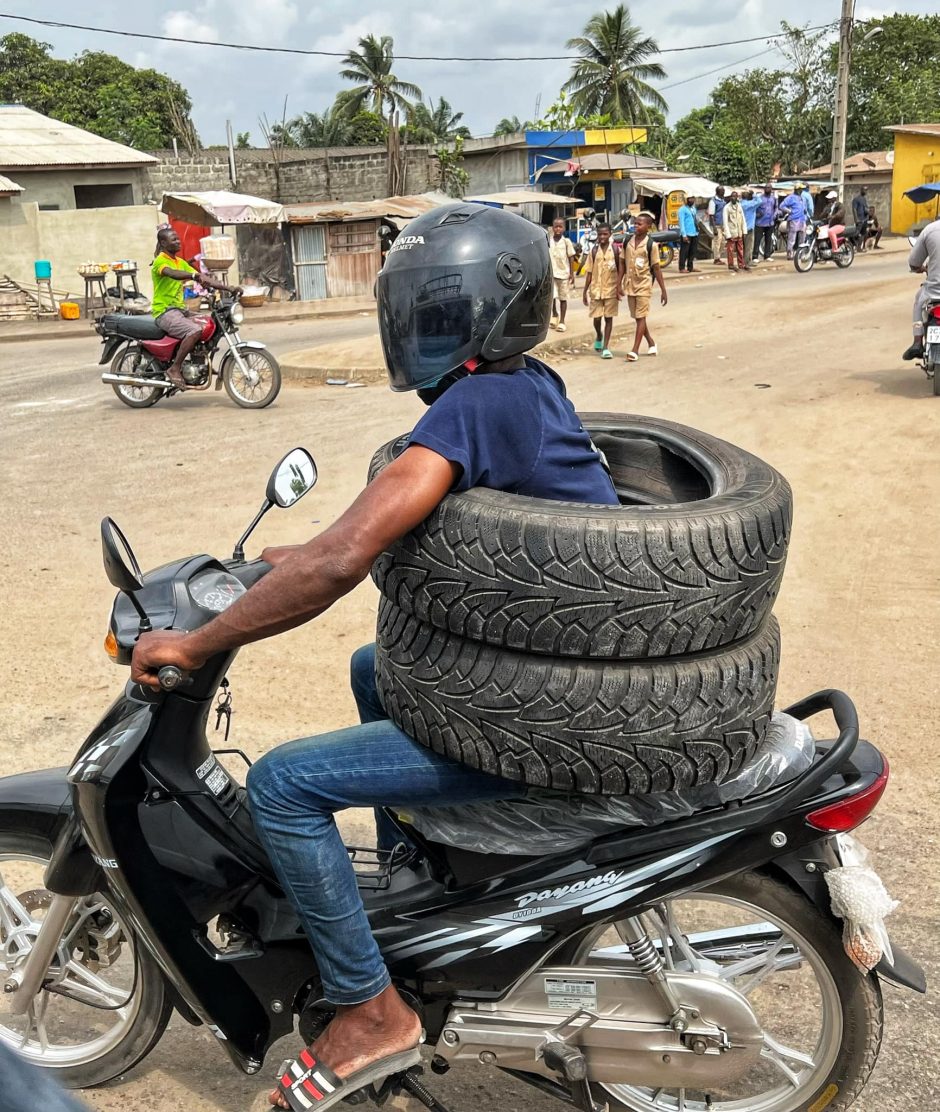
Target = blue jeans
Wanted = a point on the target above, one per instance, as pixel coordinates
(27, 1089)
(296, 789)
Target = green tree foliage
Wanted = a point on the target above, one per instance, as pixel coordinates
(894, 78)
(96, 91)
(376, 87)
(762, 121)
(433, 123)
(312, 129)
(509, 125)
(367, 129)
(454, 178)
(613, 74)
(243, 141)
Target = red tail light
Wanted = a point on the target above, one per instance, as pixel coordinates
(838, 818)
(935, 311)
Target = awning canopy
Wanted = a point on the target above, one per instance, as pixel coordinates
(587, 163)
(921, 194)
(215, 207)
(690, 186)
(396, 208)
(524, 197)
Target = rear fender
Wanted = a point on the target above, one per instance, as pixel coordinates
(806, 870)
(109, 347)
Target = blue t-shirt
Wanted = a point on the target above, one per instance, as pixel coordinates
(517, 432)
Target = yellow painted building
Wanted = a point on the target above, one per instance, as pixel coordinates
(916, 162)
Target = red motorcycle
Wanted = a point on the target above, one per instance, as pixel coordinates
(816, 248)
(140, 353)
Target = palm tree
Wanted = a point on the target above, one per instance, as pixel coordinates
(326, 129)
(371, 67)
(430, 123)
(611, 77)
(509, 125)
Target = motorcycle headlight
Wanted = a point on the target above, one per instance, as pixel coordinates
(238, 313)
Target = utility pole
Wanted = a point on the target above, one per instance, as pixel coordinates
(841, 119)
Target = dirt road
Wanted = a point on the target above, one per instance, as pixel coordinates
(801, 370)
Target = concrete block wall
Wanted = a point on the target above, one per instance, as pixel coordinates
(340, 174)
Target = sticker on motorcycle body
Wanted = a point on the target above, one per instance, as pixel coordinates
(570, 993)
(213, 775)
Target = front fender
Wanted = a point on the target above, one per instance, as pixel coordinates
(37, 803)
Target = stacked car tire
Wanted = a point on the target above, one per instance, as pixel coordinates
(601, 649)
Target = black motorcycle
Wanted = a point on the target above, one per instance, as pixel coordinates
(140, 353)
(816, 248)
(690, 966)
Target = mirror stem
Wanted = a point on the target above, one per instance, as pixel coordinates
(145, 625)
(239, 553)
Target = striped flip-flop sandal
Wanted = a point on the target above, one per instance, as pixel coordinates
(308, 1084)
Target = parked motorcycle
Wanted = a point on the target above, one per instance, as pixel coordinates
(695, 965)
(816, 248)
(140, 353)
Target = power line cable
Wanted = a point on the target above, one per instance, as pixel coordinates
(717, 69)
(61, 25)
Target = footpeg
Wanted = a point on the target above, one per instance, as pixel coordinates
(409, 1082)
(566, 1060)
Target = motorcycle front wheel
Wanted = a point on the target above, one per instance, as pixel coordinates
(128, 362)
(845, 256)
(804, 259)
(103, 1006)
(260, 386)
(822, 1018)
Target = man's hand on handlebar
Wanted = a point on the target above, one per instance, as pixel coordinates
(155, 650)
(279, 553)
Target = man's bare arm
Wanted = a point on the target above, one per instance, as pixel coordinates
(312, 577)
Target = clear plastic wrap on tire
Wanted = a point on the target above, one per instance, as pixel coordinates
(860, 899)
(545, 822)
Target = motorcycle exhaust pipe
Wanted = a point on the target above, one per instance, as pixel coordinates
(131, 380)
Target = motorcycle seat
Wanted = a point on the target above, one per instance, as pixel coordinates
(134, 327)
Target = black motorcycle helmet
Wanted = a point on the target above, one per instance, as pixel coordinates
(462, 283)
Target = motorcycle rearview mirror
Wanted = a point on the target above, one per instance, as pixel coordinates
(290, 480)
(121, 567)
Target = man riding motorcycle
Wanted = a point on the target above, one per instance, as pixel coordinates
(460, 300)
(924, 258)
(169, 271)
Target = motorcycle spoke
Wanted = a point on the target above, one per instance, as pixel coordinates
(762, 965)
(12, 913)
(86, 987)
(781, 1056)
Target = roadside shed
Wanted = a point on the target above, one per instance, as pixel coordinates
(337, 245)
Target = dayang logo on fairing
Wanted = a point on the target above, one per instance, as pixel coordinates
(405, 243)
(590, 885)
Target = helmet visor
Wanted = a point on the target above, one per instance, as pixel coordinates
(425, 322)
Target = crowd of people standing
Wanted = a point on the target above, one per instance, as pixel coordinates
(743, 226)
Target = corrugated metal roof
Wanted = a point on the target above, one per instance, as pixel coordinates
(916, 129)
(867, 162)
(30, 140)
(524, 197)
(7, 186)
(329, 212)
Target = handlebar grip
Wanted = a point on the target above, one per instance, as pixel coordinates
(171, 677)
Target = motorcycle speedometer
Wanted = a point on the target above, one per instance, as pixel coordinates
(215, 590)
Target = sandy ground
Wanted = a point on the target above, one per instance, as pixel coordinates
(802, 370)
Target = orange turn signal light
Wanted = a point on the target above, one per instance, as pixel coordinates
(111, 645)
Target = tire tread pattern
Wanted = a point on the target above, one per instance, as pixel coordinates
(609, 728)
(610, 584)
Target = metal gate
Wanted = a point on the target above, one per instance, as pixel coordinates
(309, 242)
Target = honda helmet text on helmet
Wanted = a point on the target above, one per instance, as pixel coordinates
(463, 282)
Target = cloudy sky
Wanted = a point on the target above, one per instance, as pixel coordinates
(227, 84)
